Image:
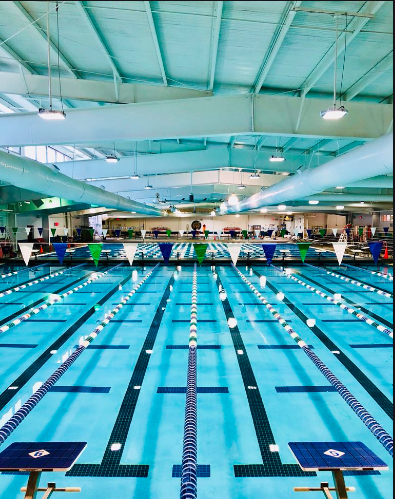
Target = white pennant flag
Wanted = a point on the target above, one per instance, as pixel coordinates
(234, 250)
(66, 231)
(335, 231)
(219, 232)
(257, 233)
(143, 233)
(373, 229)
(340, 250)
(104, 232)
(26, 250)
(182, 232)
(296, 231)
(130, 250)
(27, 229)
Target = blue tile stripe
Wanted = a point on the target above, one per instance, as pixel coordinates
(201, 390)
(368, 345)
(14, 345)
(200, 347)
(80, 389)
(203, 471)
(306, 389)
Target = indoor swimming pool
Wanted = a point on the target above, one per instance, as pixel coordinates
(257, 390)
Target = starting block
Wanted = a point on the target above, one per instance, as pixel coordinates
(41, 457)
(335, 457)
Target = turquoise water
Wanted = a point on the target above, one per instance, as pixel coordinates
(152, 436)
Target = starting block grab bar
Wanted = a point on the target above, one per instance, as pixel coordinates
(331, 489)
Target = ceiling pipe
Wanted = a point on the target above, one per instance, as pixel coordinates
(28, 174)
(370, 160)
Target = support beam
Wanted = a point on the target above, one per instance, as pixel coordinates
(93, 91)
(9, 53)
(98, 37)
(276, 43)
(355, 26)
(198, 118)
(156, 41)
(215, 43)
(289, 144)
(384, 65)
(19, 7)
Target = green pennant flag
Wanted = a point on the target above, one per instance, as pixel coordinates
(322, 232)
(304, 248)
(200, 250)
(168, 232)
(245, 234)
(130, 232)
(53, 232)
(95, 250)
(361, 231)
(92, 232)
(206, 233)
(15, 230)
(283, 232)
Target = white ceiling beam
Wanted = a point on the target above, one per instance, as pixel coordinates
(18, 6)
(215, 42)
(370, 77)
(198, 118)
(156, 42)
(98, 37)
(276, 43)
(355, 27)
(93, 91)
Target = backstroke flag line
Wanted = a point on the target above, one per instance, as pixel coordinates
(340, 250)
(235, 250)
(26, 250)
(130, 250)
(269, 250)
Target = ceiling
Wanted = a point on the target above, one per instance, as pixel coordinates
(167, 54)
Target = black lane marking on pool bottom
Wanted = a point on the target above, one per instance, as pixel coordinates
(26, 376)
(379, 397)
(200, 347)
(80, 389)
(20, 345)
(282, 347)
(111, 463)
(203, 471)
(200, 390)
(350, 302)
(107, 347)
(368, 345)
(306, 389)
(362, 282)
(272, 465)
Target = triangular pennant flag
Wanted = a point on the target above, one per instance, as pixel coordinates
(283, 232)
(206, 234)
(28, 229)
(376, 249)
(257, 234)
(166, 249)
(104, 232)
(60, 249)
(245, 234)
(117, 233)
(361, 231)
(66, 231)
(386, 230)
(269, 250)
(234, 250)
(168, 233)
(323, 232)
(200, 250)
(156, 234)
(143, 233)
(130, 250)
(92, 232)
(348, 232)
(40, 231)
(130, 233)
(95, 250)
(304, 248)
(296, 231)
(335, 231)
(26, 250)
(219, 232)
(2, 230)
(53, 231)
(182, 232)
(79, 231)
(340, 250)
(309, 232)
(373, 230)
(15, 230)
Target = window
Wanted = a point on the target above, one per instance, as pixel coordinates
(42, 154)
(51, 155)
(30, 152)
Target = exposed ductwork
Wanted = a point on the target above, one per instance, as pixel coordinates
(370, 160)
(28, 174)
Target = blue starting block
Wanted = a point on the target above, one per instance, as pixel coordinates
(41, 457)
(335, 457)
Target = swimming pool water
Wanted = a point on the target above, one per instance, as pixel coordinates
(246, 402)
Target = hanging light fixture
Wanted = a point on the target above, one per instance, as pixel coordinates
(233, 200)
(135, 175)
(148, 187)
(335, 113)
(278, 158)
(241, 186)
(51, 114)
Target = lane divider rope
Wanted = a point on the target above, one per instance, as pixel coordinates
(352, 281)
(32, 283)
(33, 401)
(380, 274)
(378, 431)
(52, 301)
(189, 457)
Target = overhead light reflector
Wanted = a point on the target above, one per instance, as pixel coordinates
(340, 208)
(282, 207)
(277, 159)
(112, 159)
(233, 200)
(51, 114)
(255, 176)
(334, 113)
(314, 201)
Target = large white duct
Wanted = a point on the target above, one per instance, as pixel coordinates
(370, 160)
(28, 174)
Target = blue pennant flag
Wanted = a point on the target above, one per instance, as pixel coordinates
(79, 231)
(269, 250)
(60, 249)
(166, 249)
(156, 234)
(309, 232)
(117, 233)
(376, 249)
(40, 231)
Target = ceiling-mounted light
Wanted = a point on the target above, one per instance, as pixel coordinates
(255, 176)
(314, 202)
(340, 208)
(340, 187)
(290, 212)
(51, 114)
(282, 207)
(334, 113)
(233, 200)
(148, 187)
(135, 177)
(241, 187)
(213, 213)
(112, 159)
(278, 158)
(264, 210)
